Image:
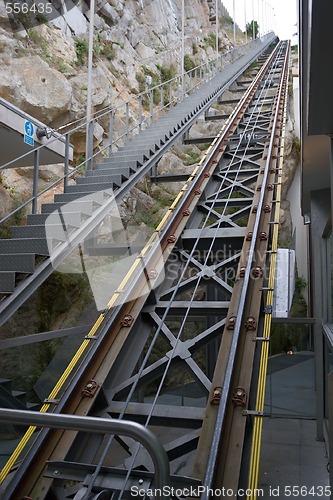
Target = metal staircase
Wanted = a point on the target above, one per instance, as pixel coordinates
(10, 398)
(20, 255)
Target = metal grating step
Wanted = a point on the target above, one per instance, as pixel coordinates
(37, 246)
(72, 218)
(19, 263)
(103, 176)
(126, 160)
(57, 231)
(7, 281)
(116, 179)
(97, 198)
(140, 156)
(102, 169)
(91, 188)
(85, 206)
(6, 383)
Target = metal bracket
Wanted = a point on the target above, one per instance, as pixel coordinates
(254, 413)
(48, 401)
(91, 337)
(268, 310)
(263, 339)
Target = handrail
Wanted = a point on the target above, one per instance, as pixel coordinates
(99, 425)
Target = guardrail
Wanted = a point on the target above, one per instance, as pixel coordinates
(133, 430)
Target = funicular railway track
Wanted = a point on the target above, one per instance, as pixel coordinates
(194, 330)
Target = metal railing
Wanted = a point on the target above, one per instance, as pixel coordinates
(131, 116)
(101, 425)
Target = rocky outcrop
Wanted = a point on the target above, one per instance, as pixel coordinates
(43, 68)
(29, 82)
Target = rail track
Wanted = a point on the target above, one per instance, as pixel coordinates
(181, 357)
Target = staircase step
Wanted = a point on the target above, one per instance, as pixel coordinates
(72, 218)
(141, 156)
(97, 198)
(19, 263)
(8, 400)
(111, 178)
(92, 188)
(7, 281)
(103, 176)
(37, 246)
(125, 171)
(85, 206)
(6, 383)
(57, 231)
(131, 166)
(20, 396)
(33, 406)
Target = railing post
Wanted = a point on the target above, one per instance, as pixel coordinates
(127, 118)
(35, 182)
(66, 163)
(162, 98)
(151, 104)
(140, 112)
(111, 131)
(170, 95)
(89, 144)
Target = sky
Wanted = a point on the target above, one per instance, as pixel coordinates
(281, 15)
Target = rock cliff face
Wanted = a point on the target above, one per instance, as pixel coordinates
(43, 66)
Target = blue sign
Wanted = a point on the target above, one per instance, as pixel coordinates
(29, 131)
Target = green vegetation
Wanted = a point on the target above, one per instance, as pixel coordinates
(108, 50)
(36, 38)
(284, 337)
(188, 63)
(300, 283)
(226, 21)
(167, 72)
(81, 47)
(296, 149)
(156, 80)
(252, 26)
(105, 47)
(56, 62)
(210, 41)
(41, 18)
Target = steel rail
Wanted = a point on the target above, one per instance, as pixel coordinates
(181, 201)
(226, 387)
(171, 356)
(218, 142)
(260, 399)
(233, 440)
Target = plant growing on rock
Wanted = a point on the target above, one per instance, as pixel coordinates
(81, 48)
